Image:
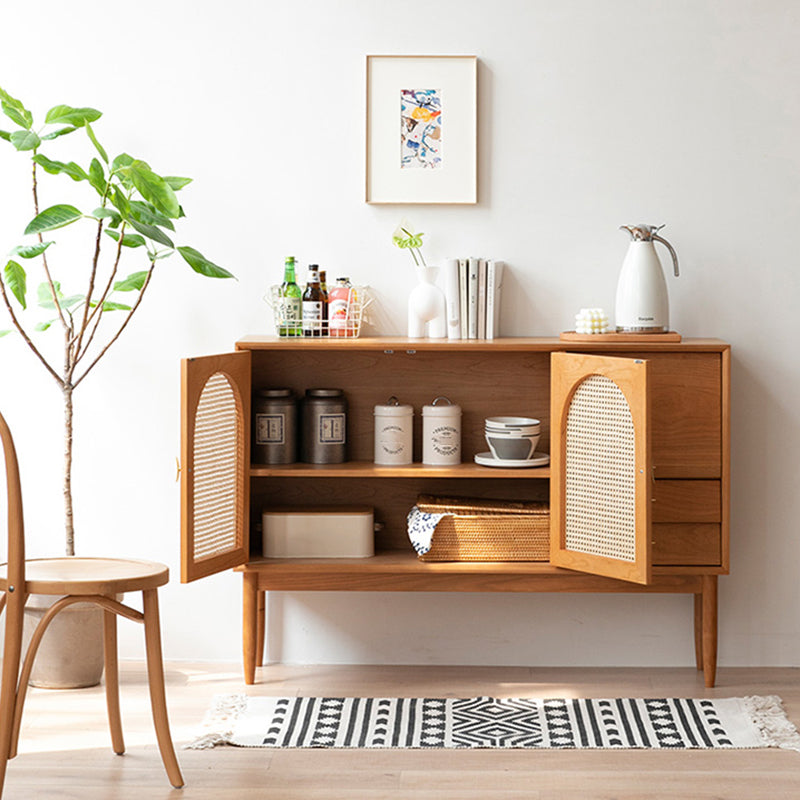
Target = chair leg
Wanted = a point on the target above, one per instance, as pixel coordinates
(112, 681)
(155, 676)
(8, 686)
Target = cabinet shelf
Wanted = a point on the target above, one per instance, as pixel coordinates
(367, 469)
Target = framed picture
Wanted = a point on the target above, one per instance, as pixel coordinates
(422, 129)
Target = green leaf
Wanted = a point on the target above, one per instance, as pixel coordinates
(73, 300)
(177, 183)
(145, 213)
(128, 240)
(154, 188)
(15, 111)
(31, 250)
(107, 213)
(52, 218)
(43, 326)
(199, 263)
(4, 333)
(59, 132)
(121, 202)
(153, 233)
(75, 171)
(25, 140)
(67, 115)
(109, 305)
(5, 135)
(16, 279)
(45, 296)
(98, 146)
(133, 283)
(97, 177)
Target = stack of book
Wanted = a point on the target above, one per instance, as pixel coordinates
(472, 288)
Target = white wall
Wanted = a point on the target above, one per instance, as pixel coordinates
(591, 115)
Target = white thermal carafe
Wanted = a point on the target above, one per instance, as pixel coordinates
(642, 302)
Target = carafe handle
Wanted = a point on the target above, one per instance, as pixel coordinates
(657, 238)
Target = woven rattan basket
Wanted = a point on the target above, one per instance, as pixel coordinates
(487, 530)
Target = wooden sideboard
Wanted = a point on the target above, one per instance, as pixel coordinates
(666, 524)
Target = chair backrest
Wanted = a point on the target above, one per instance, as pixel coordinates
(16, 530)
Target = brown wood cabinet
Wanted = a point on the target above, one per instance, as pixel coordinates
(648, 515)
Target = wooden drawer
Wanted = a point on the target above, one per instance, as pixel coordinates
(687, 501)
(687, 544)
(686, 414)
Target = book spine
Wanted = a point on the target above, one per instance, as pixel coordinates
(482, 298)
(462, 296)
(472, 298)
(494, 285)
(452, 298)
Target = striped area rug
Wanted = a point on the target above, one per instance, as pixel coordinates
(489, 722)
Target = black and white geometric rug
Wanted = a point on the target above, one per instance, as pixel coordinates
(488, 722)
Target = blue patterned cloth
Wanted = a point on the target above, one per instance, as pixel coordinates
(421, 525)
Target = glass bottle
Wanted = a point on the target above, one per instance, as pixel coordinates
(312, 304)
(339, 311)
(323, 285)
(290, 312)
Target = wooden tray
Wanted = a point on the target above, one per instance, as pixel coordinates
(571, 336)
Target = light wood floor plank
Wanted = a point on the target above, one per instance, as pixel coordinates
(65, 748)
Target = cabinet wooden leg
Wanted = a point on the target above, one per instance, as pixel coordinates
(261, 628)
(709, 637)
(698, 630)
(249, 625)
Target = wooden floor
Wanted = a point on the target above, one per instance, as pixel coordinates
(65, 752)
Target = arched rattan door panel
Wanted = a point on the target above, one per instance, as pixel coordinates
(600, 471)
(215, 456)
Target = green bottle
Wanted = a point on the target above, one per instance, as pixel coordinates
(290, 311)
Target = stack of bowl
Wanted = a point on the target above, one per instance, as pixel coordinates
(512, 438)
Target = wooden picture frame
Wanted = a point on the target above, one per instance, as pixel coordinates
(421, 142)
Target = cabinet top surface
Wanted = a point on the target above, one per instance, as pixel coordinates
(529, 344)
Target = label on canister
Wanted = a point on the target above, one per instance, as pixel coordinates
(270, 428)
(331, 429)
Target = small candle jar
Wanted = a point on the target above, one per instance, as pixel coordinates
(441, 433)
(393, 433)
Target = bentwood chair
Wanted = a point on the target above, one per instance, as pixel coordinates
(75, 580)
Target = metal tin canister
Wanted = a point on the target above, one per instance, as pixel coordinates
(274, 427)
(394, 442)
(324, 436)
(441, 433)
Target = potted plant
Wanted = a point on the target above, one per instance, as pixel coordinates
(131, 211)
(427, 311)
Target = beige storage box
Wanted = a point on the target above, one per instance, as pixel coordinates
(330, 532)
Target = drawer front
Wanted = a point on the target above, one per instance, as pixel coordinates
(686, 413)
(686, 544)
(687, 501)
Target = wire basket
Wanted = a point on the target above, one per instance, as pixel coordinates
(487, 530)
(347, 326)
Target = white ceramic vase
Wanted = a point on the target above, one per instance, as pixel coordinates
(427, 310)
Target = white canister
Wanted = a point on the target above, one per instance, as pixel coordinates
(394, 443)
(441, 433)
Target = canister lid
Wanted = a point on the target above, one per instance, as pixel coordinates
(275, 393)
(324, 392)
(441, 407)
(393, 408)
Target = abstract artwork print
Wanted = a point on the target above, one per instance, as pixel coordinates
(421, 128)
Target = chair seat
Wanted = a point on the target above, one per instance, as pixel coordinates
(74, 575)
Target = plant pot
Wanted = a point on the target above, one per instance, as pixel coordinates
(427, 311)
(70, 654)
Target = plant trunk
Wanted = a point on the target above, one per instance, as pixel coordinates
(68, 519)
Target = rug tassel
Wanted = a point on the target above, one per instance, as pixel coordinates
(769, 717)
(219, 721)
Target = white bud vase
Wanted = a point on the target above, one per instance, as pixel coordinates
(427, 310)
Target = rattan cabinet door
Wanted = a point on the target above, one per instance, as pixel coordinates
(215, 454)
(600, 471)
